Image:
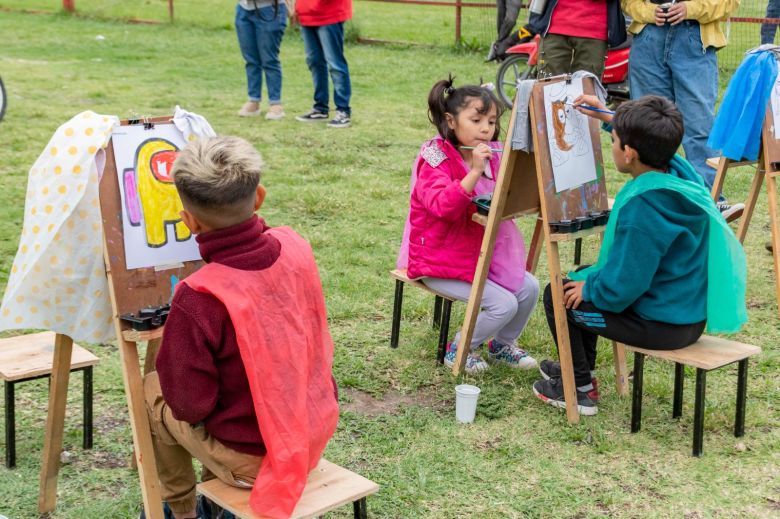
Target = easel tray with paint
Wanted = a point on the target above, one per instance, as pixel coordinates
(147, 318)
(580, 223)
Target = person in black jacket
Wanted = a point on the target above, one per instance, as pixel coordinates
(576, 35)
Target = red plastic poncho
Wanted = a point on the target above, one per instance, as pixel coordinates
(282, 333)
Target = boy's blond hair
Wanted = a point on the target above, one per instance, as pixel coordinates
(217, 179)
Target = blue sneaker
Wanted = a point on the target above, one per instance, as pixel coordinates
(474, 362)
(510, 355)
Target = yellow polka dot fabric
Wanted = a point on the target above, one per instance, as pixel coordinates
(58, 279)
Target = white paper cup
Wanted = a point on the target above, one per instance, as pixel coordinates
(466, 397)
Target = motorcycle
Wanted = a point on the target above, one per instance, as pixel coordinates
(521, 63)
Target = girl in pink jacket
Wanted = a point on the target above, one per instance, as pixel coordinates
(442, 242)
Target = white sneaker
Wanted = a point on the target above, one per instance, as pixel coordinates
(731, 211)
(275, 112)
(250, 109)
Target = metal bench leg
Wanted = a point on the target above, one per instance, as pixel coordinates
(396, 325)
(361, 508)
(698, 412)
(88, 407)
(636, 404)
(444, 330)
(577, 251)
(679, 379)
(10, 426)
(437, 312)
(739, 422)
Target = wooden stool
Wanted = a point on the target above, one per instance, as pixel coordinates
(441, 311)
(329, 487)
(28, 357)
(706, 354)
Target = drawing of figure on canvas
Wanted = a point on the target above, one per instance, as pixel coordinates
(571, 148)
(153, 232)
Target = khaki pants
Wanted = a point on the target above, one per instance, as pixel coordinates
(560, 54)
(177, 442)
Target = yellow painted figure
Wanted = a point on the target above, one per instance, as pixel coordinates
(156, 193)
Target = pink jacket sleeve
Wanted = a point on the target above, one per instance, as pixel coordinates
(440, 194)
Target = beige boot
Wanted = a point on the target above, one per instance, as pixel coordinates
(250, 109)
(275, 112)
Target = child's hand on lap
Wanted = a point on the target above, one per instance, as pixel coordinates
(572, 294)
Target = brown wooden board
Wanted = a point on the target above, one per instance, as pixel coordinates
(771, 145)
(579, 201)
(137, 288)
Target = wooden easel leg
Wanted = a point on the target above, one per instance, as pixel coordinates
(621, 371)
(562, 329)
(142, 435)
(750, 203)
(774, 219)
(55, 422)
(535, 248)
(720, 177)
(152, 347)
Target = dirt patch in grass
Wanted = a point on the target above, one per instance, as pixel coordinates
(391, 403)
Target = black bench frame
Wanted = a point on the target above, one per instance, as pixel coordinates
(442, 308)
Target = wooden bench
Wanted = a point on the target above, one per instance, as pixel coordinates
(706, 354)
(441, 311)
(329, 487)
(28, 357)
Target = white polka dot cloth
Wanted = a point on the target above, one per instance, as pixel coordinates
(58, 278)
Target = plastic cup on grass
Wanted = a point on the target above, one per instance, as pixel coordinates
(466, 397)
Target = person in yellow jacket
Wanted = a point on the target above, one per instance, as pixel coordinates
(673, 55)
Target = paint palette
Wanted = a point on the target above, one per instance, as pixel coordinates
(147, 318)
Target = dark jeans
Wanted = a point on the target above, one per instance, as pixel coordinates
(587, 323)
(566, 54)
(768, 30)
(324, 47)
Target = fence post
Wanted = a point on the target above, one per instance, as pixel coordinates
(69, 5)
(170, 10)
(458, 9)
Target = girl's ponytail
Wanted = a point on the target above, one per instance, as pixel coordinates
(437, 104)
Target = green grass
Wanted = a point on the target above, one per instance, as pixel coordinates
(347, 191)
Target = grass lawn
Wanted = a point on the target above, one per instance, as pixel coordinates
(347, 192)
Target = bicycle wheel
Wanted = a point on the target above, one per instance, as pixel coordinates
(3, 99)
(514, 69)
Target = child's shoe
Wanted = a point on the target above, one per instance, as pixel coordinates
(552, 369)
(510, 355)
(474, 362)
(275, 113)
(551, 392)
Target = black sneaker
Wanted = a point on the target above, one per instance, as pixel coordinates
(341, 120)
(730, 211)
(312, 116)
(552, 369)
(551, 392)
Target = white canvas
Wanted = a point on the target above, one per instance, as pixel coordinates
(775, 97)
(153, 232)
(571, 148)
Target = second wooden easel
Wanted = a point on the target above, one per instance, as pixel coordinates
(768, 165)
(525, 186)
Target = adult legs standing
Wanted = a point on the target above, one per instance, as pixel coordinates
(768, 30)
(325, 55)
(315, 60)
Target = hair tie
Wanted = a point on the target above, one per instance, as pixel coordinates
(449, 90)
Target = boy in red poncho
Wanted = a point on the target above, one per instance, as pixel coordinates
(243, 380)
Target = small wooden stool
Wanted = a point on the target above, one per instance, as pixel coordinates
(441, 311)
(28, 357)
(706, 354)
(329, 487)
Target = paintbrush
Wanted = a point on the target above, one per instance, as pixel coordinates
(592, 108)
(494, 150)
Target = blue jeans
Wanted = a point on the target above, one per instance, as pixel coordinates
(768, 30)
(325, 53)
(260, 36)
(669, 61)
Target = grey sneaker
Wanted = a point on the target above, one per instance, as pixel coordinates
(730, 211)
(312, 116)
(341, 120)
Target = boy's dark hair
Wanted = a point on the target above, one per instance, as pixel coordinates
(653, 126)
(444, 99)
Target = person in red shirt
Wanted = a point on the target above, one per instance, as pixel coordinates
(243, 380)
(576, 33)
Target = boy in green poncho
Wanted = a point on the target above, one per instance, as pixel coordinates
(664, 243)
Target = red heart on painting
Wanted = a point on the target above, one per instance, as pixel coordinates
(162, 163)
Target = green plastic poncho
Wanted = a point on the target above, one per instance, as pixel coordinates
(727, 269)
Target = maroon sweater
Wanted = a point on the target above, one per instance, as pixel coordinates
(199, 364)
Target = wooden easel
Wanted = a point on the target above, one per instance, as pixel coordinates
(768, 165)
(525, 186)
(129, 291)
